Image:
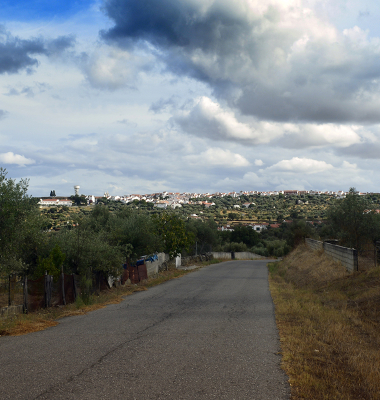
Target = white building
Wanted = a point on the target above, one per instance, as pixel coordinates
(55, 202)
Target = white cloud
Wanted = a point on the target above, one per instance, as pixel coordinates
(284, 58)
(11, 158)
(319, 135)
(219, 157)
(208, 119)
(111, 68)
(273, 82)
(300, 166)
(346, 165)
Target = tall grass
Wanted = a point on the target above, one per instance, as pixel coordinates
(329, 326)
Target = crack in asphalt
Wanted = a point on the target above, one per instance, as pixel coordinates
(139, 335)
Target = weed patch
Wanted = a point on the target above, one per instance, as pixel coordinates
(329, 324)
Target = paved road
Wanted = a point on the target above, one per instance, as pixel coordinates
(208, 335)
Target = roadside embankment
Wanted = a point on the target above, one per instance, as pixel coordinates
(329, 324)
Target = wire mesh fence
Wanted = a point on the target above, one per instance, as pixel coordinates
(11, 290)
(46, 292)
(33, 294)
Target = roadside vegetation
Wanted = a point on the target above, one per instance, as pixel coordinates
(329, 324)
(45, 318)
(99, 239)
(95, 241)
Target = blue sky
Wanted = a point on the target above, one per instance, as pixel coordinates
(31, 10)
(131, 96)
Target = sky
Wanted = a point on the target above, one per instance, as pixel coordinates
(144, 96)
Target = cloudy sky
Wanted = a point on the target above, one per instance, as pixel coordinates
(139, 96)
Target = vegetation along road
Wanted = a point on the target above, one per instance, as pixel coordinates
(210, 334)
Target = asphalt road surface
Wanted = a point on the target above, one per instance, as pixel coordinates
(208, 335)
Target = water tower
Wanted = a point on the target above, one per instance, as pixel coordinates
(76, 188)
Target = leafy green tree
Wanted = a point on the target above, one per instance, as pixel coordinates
(353, 221)
(52, 264)
(173, 233)
(79, 200)
(15, 208)
(232, 216)
(130, 227)
(246, 235)
(296, 232)
(205, 234)
(88, 251)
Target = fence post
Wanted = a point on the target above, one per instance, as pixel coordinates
(74, 288)
(9, 290)
(63, 287)
(48, 280)
(45, 290)
(356, 263)
(25, 305)
(375, 256)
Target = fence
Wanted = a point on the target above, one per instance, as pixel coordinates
(241, 255)
(45, 292)
(20, 294)
(314, 244)
(154, 266)
(11, 291)
(348, 257)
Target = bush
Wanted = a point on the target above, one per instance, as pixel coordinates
(261, 251)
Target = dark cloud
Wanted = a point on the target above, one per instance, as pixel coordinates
(60, 44)
(17, 54)
(364, 150)
(178, 28)
(255, 59)
(308, 103)
(173, 23)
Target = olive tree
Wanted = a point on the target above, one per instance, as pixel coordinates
(353, 221)
(15, 209)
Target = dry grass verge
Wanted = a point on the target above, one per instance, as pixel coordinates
(46, 318)
(329, 326)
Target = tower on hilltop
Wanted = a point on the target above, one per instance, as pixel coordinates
(76, 188)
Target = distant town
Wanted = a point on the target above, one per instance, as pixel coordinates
(174, 200)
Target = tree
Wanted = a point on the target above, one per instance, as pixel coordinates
(173, 233)
(52, 264)
(205, 234)
(15, 208)
(353, 221)
(245, 235)
(79, 200)
(130, 227)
